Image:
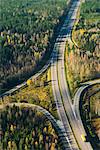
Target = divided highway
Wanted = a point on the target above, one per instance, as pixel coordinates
(70, 140)
(60, 87)
(69, 114)
(58, 75)
(58, 101)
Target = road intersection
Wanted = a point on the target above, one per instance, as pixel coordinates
(70, 119)
(60, 87)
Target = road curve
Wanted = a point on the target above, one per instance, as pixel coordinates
(58, 101)
(59, 84)
(77, 97)
(60, 89)
(77, 100)
(35, 76)
(66, 127)
(56, 123)
(16, 88)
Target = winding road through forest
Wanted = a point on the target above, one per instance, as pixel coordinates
(77, 100)
(60, 87)
(56, 123)
(69, 115)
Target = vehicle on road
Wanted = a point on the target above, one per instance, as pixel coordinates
(83, 137)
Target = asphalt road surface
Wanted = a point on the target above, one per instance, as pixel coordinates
(59, 84)
(70, 122)
(77, 99)
(56, 123)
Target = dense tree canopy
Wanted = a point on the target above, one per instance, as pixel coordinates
(26, 129)
(87, 32)
(83, 55)
(90, 110)
(27, 28)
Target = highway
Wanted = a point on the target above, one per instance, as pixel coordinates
(16, 88)
(59, 84)
(68, 113)
(77, 100)
(35, 76)
(60, 42)
(56, 123)
(58, 74)
(58, 101)
(71, 143)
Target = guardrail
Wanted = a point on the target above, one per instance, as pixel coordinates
(77, 101)
(45, 67)
(56, 123)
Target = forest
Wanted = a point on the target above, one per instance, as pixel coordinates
(83, 53)
(27, 32)
(87, 30)
(26, 129)
(90, 110)
(39, 93)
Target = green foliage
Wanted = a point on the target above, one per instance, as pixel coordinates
(39, 92)
(90, 9)
(82, 60)
(91, 115)
(89, 21)
(27, 30)
(80, 66)
(24, 128)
